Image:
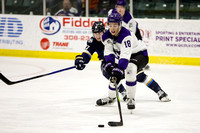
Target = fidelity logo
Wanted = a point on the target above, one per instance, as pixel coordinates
(49, 26)
(10, 27)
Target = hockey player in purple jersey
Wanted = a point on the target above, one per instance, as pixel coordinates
(125, 56)
(129, 23)
(94, 44)
(127, 19)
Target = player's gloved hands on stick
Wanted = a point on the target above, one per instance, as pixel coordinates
(108, 67)
(117, 74)
(79, 62)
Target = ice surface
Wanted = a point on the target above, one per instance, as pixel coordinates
(65, 102)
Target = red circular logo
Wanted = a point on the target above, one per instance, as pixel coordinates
(44, 43)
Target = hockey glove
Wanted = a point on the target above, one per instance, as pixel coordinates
(108, 68)
(79, 62)
(117, 74)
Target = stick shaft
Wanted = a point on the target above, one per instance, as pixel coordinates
(118, 103)
(112, 123)
(8, 82)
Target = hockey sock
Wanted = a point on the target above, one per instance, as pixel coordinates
(121, 88)
(111, 90)
(131, 89)
(152, 84)
(131, 80)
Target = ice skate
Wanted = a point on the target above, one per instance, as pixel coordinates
(163, 96)
(124, 95)
(131, 104)
(104, 101)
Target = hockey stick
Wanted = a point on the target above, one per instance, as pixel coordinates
(114, 123)
(8, 82)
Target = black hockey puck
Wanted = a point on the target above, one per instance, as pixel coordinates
(100, 125)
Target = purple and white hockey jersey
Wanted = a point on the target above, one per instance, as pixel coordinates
(119, 49)
(127, 21)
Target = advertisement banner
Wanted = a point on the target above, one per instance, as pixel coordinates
(176, 38)
(45, 33)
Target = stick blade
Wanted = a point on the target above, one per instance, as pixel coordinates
(114, 124)
(5, 80)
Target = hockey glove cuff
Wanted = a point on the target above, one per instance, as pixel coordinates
(108, 68)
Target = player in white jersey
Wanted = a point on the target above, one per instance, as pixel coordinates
(129, 23)
(127, 19)
(124, 56)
